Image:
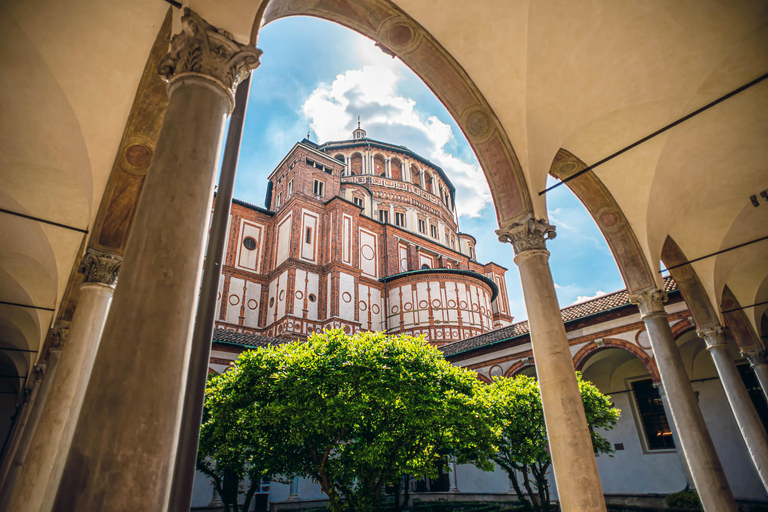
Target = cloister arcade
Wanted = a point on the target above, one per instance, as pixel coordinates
(654, 113)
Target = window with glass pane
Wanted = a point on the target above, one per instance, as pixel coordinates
(658, 434)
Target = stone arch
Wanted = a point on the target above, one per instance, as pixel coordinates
(682, 327)
(591, 348)
(482, 378)
(610, 219)
(518, 368)
(340, 157)
(400, 35)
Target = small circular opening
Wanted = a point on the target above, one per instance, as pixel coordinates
(271, 301)
(424, 266)
(312, 297)
(249, 243)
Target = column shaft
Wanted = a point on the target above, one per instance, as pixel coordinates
(39, 477)
(123, 450)
(695, 441)
(760, 367)
(26, 436)
(741, 404)
(570, 443)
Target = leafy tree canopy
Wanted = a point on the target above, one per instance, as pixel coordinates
(517, 418)
(351, 412)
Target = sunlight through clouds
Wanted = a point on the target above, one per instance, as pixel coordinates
(372, 93)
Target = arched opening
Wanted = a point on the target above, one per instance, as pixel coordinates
(396, 169)
(356, 163)
(379, 166)
(340, 157)
(428, 183)
(416, 176)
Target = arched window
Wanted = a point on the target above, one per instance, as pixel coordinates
(357, 164)
(415, 176)
(379, 167)
(340, 158)
(424, 266)
(428, 183)
(396, 169)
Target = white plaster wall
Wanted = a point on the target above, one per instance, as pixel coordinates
(403, 258)
(369, 254)
(219, 297)
(252, 304)
(284, 240)
(202, 490)
(309, 221)
(234, 300)
(247, 259)
(471, 479)
(313, 288)
(346, 285)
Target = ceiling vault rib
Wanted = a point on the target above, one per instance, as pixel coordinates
(25, 305)
(714, 254)
(44, 221)
(658, 132)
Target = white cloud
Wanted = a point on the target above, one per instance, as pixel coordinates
(372, 93)
(584, 298)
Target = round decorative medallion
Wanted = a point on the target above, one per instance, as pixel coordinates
(395, 310)
(482, 310)
(282, 295)
(423, 304)
(404, 263)
(362, 306)
(252, 304)
(609, 219)
(249, 243)
(234, 300)
(299, 294)
(436, 303)
(407, 306)
(496, 371)
(399, 35)
(475, 307)
(642, 339)
(367, 252)
(138, 156)
(312, 297)
(375, 309)
(463, 305)
(451, 303)
(347, 329)
(346, 297)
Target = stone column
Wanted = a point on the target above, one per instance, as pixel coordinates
(695, 442)
(683, 464)
(759, 365)
(60, 332)
(124, 446)
(40, 474)
(744, 412)
(570, 443)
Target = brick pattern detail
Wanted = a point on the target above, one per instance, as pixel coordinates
(584, 353)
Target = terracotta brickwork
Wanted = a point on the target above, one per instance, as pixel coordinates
(321, 255)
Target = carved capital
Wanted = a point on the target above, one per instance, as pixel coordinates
(59, 335)
(713, 337)
(99, 267)
(649, 302)
(203, 50)
(527, 235)
(756, 357)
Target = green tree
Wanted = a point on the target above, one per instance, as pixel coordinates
(355, 412)
(515, 410)
(233, 449)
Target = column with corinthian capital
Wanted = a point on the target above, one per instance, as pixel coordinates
(570, 443)
(744, 412)
(759, 365)
(124, 446)
(695, 441)
(40, 472)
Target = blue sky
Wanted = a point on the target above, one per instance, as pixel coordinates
(317, 77)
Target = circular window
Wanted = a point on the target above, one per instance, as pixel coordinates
(312, 297)
(271, 302)
(424, 266)
(249, 243)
